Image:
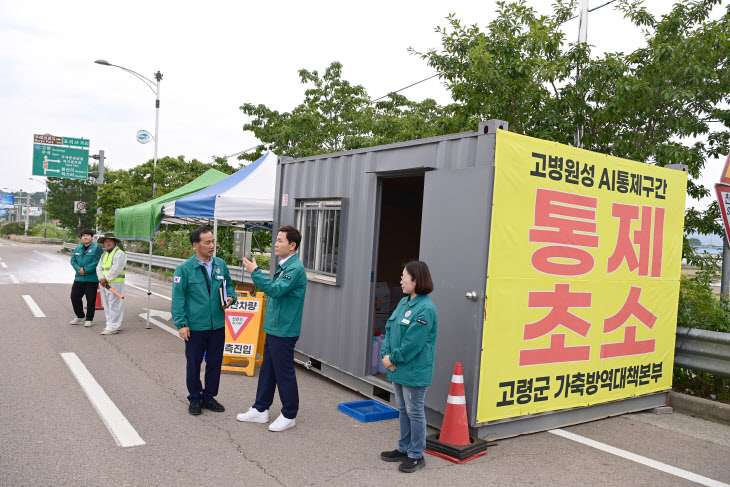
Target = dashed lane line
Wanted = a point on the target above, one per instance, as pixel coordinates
(34, 308)
(14, 279)
(124, 434)
(5, 266)
(692, 477)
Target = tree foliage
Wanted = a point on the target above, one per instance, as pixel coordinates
(124, 188)
(63, 192)
(664, 103)
(335, 116)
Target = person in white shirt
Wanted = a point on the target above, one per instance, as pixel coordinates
(111, 271)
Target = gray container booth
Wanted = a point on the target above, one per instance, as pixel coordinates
(363, 214)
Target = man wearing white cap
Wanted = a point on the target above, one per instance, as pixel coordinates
(111, 271)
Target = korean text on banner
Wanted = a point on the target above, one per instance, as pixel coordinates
(584, 267)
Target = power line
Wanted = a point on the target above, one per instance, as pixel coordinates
(426, 79)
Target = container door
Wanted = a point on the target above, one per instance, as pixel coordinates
(454, 243)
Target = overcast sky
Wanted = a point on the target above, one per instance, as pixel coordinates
(215, 56)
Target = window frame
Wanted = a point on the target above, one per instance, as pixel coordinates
(318, 254)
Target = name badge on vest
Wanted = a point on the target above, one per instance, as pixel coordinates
(405, 321)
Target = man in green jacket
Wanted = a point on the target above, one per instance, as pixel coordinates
(282, 324)
(84, 261)
(201, 290)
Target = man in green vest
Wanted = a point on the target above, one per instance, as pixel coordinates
(84, 260)
(111, 271)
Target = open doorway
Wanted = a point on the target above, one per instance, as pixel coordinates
(399, 241)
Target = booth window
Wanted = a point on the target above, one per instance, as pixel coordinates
(321, 224)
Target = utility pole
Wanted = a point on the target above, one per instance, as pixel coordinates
(99, 180)
(582, 38)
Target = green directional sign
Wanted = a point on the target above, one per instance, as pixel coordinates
(60, 162)
(70, 141)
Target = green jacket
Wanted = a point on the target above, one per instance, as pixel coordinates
(286, 297)
(192, 304)
(410, 340)
(86, 258)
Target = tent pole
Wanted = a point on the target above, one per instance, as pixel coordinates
(215, 233)
(149, 283)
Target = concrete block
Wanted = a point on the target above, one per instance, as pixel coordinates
(663, 410)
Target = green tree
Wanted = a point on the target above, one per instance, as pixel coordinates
(337, 115)
(63, 192)
(662, 104)
(124, 188)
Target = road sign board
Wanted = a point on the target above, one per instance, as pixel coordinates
(70, 141)
(47, 139)
(723, 197)
(79, 207)
(7, 200)
(60, 162)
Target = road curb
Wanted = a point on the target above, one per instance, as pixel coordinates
(714, 411)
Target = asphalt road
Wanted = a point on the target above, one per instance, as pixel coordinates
(53, 435)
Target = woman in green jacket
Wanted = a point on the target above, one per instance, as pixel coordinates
(408, 354)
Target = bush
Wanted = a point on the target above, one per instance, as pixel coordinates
(15, 228)
(38, 230)
(701, 384)
(700, 308)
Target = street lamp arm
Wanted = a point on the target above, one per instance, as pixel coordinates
(148, 82)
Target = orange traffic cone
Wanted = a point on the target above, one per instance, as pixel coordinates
(98, 304)
(454, 443)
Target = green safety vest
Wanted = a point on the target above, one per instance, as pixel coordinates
(106, 265)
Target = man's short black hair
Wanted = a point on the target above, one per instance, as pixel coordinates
(292, 235)
(86, 231)
(195, 236)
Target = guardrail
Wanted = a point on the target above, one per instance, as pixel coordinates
(706, 351)
(22, 238)
(237, 274)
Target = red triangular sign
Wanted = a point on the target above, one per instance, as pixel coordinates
(236, 323)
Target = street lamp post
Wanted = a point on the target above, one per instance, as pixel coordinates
(156, 91)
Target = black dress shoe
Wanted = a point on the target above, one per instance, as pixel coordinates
(213, 405)
(194, 408)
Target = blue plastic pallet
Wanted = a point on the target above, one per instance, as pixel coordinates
(368, 411)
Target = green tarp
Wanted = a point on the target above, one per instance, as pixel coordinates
(140, 222)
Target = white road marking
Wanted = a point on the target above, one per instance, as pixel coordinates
(167, 328)
(122, 431)
(5, 266)
(143, 289)
(14, 279)
(693, 477)
(50, 257)
(34, 308)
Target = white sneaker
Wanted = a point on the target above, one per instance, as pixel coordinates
(76, 321)
(109, 332)
(88, 324)
(282, 423)
(254, 416)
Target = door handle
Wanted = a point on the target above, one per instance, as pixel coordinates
(472, 296)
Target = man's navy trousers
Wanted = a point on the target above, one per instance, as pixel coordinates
(210, 343)
(277, 369)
